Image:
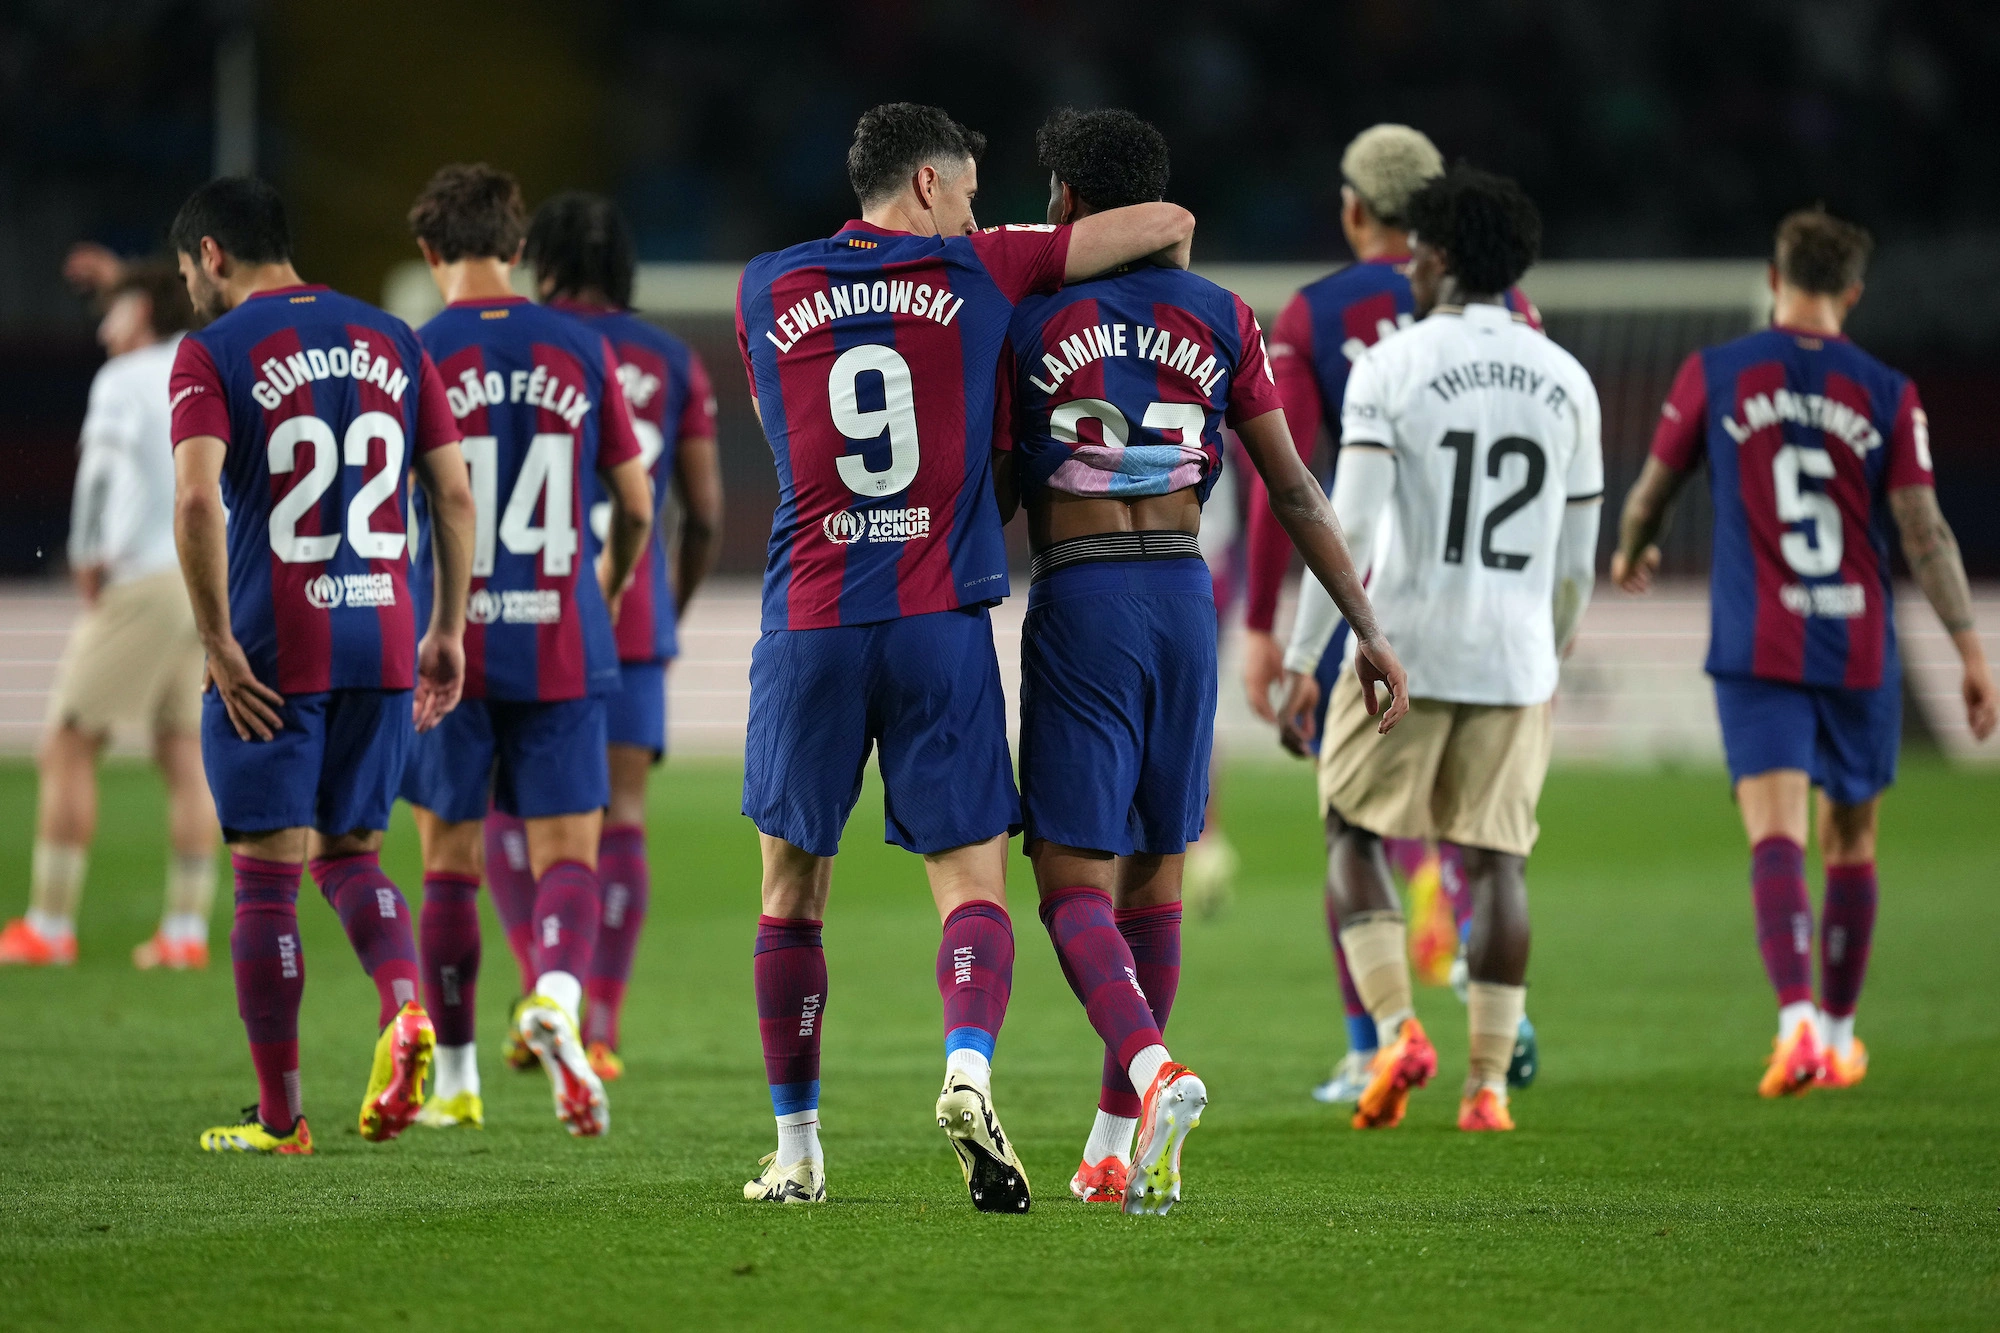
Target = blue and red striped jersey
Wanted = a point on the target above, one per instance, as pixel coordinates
(1805, 437)
(1320, 333)
(536, 394)
(1121, 385)
(322, 401)
(667, 388)
(872, 356)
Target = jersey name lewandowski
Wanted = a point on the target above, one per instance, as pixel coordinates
(1122, 384)
(872, 355)
(322, 401)
(537, 396)
(1805, 436)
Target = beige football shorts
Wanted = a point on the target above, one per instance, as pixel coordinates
(1464, 773)
(134, 657)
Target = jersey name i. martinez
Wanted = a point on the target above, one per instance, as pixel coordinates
(1321, 332)
(1495, 431)
(667, 388)
(872, 355)
(322, 400)
(1805, 436)
(1121, 385)
(536, 395)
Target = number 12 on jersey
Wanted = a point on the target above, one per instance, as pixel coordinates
(1463, 444)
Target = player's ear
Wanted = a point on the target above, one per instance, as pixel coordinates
(1850, 298)
(214, 262)
(925, 183)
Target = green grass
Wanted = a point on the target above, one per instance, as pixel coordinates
(1647, 1185)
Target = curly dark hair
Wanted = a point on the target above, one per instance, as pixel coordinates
(580, 242)
(471, 211)
(892, 140)
(1486, 225)
(1818, 252)
(1108, 156)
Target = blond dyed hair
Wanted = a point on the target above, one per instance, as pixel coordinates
(1386, 164)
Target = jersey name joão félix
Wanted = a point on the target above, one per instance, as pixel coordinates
(872, 356)
(1121, 385)
(535, 393)
(1321, 332)
(1805, 436)
(322, 401)
(667, 388)
(1495, 430)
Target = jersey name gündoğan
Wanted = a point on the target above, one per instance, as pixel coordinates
(872, 356)
(1320, 334)
(322, 401)
(1805, 437)
(1121, 384)
(667, 388)
(535, 392)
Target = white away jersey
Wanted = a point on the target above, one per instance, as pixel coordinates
(1495, 429)
(122, 513)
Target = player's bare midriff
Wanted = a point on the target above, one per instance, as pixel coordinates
(1057, 516)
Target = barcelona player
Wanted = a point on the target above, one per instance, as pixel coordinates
(872, 357)
(1122, 386)
(585, 263)
(1320, 334)
(298, 416)
(536, 394)
(1814, 450)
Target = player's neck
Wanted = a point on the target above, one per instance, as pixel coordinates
(903, 213)
(250, 279)
(1807, 312)
(1375, 242)
(476, 279)
(1451, 294)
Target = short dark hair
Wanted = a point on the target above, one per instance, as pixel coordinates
(164, 290)
(892, 140)
(581, 242)
(470, 211)
(242, 214)
(1818, 252)
(1487, 226)
(1110, 157)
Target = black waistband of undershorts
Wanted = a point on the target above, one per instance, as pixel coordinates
(1107, 546)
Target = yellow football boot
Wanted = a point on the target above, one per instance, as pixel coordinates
(445, 1112)
(251, 1136)
(403, 1055)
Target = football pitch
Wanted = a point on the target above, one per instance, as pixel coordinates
(1647, 1185)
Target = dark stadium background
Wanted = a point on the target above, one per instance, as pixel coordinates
(1645, 129)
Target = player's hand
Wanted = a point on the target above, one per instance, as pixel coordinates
(440, 677)
(90, 267)
(1635, 576)
(89, 583)
(1296, 723)
(613, 597)
(1263, 665)
(1982, 705)
(1375, 662)
(253, 706)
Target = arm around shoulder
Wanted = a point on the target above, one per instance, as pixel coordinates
(1160, 232)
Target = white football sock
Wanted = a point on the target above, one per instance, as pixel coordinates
(1791, 1015)
(54, 929)
(1388, 1029)
(1838, 1033)
(1145, 1067)
(55, 885)
(798, 1138)
(185, 927)
(1110, 1136)
(456, 1071)
(563, 988)
(971, 1066)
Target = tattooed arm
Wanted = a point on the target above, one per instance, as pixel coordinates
(1932, 551)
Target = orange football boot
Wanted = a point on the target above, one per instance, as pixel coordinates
(1100, 1182)
(1797, 1062)
(606, 1063)
(21, 945)
(1844, 1071)
(1484, 1110)
(174, 955)
(1406, 1063)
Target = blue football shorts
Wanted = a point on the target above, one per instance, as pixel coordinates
(333, 767)
(1845, 740)
(637, 714)
(924, 689)
(534, 760)
(1118, 705)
